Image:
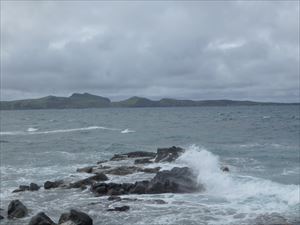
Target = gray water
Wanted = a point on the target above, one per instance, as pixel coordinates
(260, 144)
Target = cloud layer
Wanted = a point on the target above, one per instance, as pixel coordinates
(193, 50)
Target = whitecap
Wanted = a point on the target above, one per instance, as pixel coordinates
(126, 131)
(32, 129)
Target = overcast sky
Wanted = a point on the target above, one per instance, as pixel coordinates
(186, 50)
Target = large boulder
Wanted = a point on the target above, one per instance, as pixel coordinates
(89, 181)
(34, 187)
(177, 180)
(168, 154)
(77, 217)
(53, 184)
(16, 209)
(41, 219)
(137, 154)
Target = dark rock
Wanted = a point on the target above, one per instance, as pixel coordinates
(102, 161)
(89, 181)
(138, 154)
(34, 187)
(114, 198)
(53, 184)
(177, 180)
(21, 188)
(151, 170)
(1, 217)
(16, 209)
(225, 169)
(120, 209)
(88, 169)
(41, 219)
(123, 170)
(140, 187)
(79, 218)
(143, 161)
(168, 154)
(118, 157)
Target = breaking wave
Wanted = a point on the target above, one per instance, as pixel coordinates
(31, 131)
(238, 189)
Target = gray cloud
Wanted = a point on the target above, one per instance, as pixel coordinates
(195, 50)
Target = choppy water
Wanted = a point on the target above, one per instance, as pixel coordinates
(260, 144)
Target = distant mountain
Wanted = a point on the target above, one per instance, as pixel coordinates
(86, 100)
(52, 102)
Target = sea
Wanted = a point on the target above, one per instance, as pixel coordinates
(259, 144)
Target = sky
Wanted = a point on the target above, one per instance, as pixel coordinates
(241, 50)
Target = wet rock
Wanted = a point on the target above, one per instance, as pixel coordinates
(53, 184)
(34, 187)
(139, 154)
(123, 170)
(118, 157)
(120, 208)
(68, 223)
(31, 187)
(177, 180)
(21, 188)
(102, 161)
(168, 154)
(88, 169)
(151, 170)
(16, 209)
(41, 219)
(1, 217)
(225, 169)
(89, 181)
(140, 187)
(114, 198)
(77, 217)
(143, 161)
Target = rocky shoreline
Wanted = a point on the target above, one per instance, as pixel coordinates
(175, 180)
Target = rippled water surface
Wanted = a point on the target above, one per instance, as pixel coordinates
(260, 144)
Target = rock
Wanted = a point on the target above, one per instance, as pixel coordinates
(114, 198)
(68, 223)
(89, 181)
(31, 187)
(16, 209)
(143, 161)
(53, 184)
(34, 187)
(88, 169)
(41, 219)
(140, 187)
(151, 170)
(168, 154)
(177, 180)
(123, 170)
(118, 157)
(102, 161)
(139, 154)
(225, 169)
(77, 217)
(120, 209)
(1, 217)
(21, 188)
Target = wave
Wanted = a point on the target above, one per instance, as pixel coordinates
(238, 189)
(126, 131)
(31, 131)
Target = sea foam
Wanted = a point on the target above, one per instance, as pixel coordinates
(235, 187)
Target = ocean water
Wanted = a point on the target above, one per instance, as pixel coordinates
(260, 145)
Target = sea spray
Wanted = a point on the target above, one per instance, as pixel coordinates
(245, 192)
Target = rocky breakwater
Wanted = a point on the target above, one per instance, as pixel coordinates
(105, 181)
